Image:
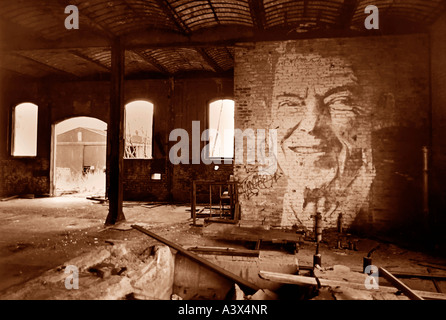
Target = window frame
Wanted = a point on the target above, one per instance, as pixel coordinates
(224, 160)
(152, 129)
(12, 140)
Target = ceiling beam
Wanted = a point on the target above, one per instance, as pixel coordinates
(151, 60)
(347, 12)
(212, 63)
(46, 66)
(213, 10)
(87, 58)
(222, 35)
(170, 12)
(258, 17)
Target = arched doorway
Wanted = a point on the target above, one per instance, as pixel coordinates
(79, 151)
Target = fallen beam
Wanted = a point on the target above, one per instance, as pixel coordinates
(229, 275)
(302, 280)
(101, 200)
(399, 285)
(437, 286)
(10, 198)
(401, 275)
(151, 206)
(404, 275)
(225, 251)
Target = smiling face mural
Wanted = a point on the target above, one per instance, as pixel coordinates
(323, 151)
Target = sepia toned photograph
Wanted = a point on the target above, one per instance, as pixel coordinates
(254, 153)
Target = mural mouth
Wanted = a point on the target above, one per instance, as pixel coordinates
(307, 150)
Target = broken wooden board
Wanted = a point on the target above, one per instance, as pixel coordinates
(237, 233)
(302, 280)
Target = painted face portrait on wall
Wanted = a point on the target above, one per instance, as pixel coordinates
(323, 149)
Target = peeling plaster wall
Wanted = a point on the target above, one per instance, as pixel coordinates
(351, 117)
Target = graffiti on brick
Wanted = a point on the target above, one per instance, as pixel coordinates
(256, 181)
(324, 146)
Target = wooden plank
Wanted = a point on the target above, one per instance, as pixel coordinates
(10, 198)
(229, 275)
(225, 251)
(398, 284)
(97, 199)
(404, 275)
(434, 280)
(302, 280)
(151, 206)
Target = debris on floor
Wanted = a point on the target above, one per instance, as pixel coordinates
(110, 273)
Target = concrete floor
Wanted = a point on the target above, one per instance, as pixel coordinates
(40, 234)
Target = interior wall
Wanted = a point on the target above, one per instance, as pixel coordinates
(351, 117)
(191, 103)
(24, 175)
(438, 154)
(176, 104)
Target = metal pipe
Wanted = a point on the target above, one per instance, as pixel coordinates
(318, 227)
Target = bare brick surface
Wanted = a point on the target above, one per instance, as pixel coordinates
(351, 117)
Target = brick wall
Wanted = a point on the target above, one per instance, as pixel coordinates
(351, 117)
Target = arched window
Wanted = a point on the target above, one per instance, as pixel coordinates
(24, 137)
(221, 125)
(138, 130)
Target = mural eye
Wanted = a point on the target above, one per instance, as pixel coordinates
(290, 103)
(340, 104)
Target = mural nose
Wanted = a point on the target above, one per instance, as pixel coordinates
(311, 117)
